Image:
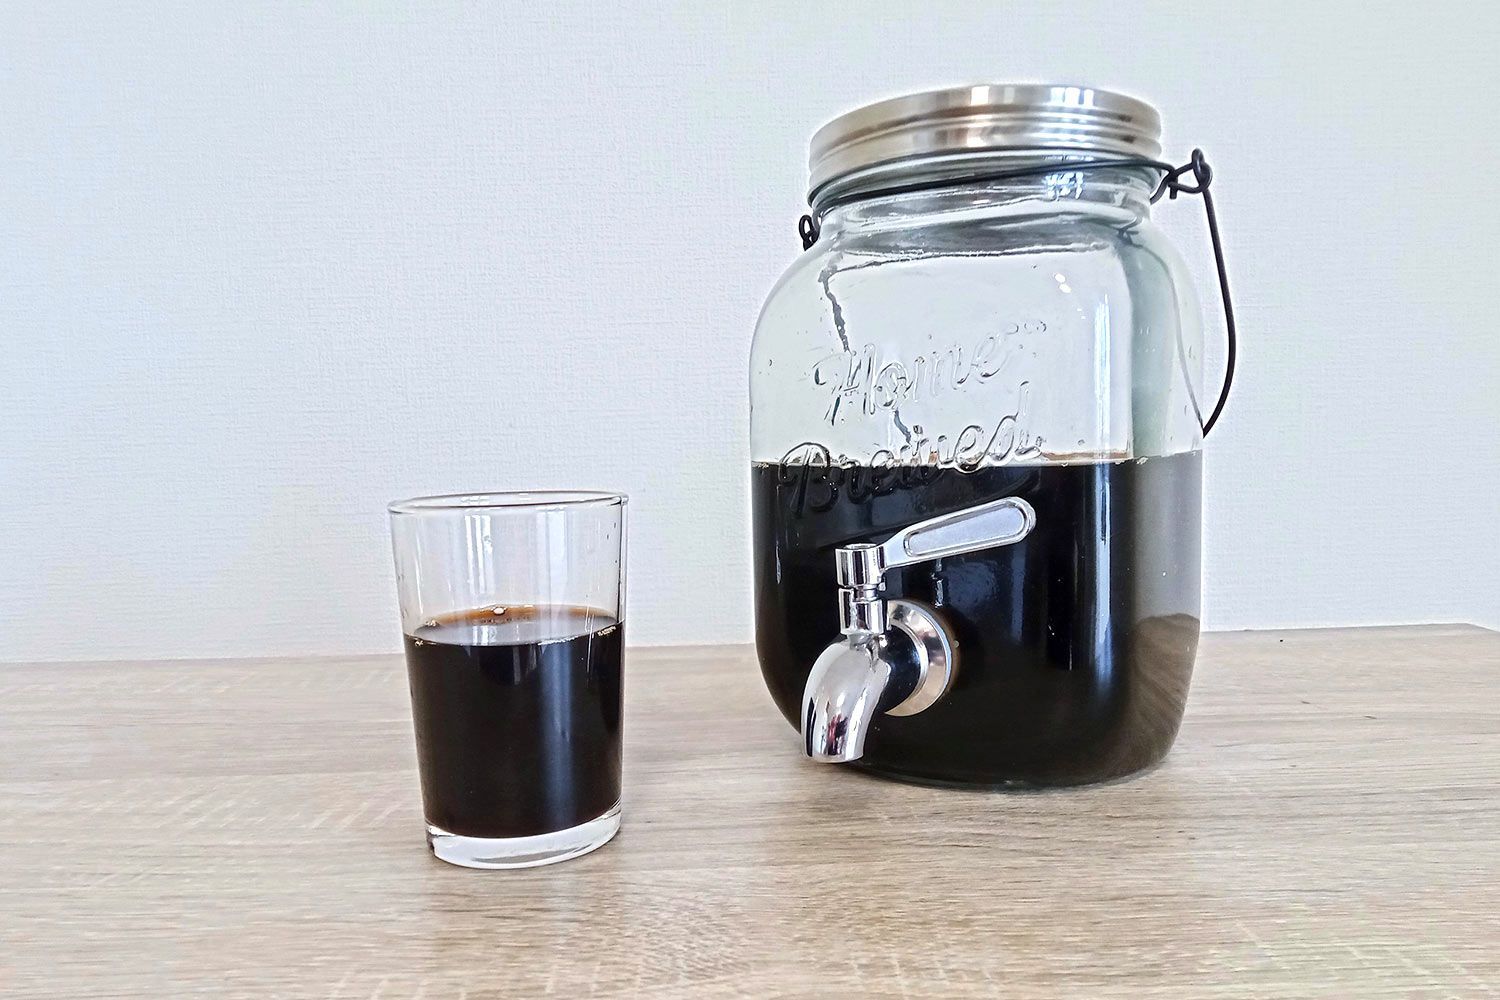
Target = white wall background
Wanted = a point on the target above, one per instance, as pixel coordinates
(263, 269)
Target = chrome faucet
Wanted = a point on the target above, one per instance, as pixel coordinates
(866, 672)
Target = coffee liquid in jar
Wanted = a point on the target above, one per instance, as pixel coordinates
(1075, 646)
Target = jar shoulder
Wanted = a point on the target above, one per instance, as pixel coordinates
(1056, 339)
(1072, 260)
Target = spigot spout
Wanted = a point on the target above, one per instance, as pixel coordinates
(845, 687)
(857, 677)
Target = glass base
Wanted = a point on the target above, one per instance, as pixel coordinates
(524, 852)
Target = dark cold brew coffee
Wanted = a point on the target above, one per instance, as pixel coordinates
(517, 713)
(1075, 646)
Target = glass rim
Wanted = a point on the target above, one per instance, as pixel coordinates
(518, 501)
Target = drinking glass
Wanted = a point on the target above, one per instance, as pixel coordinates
(512, 608)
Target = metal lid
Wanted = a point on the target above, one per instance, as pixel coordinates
(981, 118)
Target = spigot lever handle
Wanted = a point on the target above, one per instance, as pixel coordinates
(987, 526)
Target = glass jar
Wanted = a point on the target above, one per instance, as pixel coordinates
(987, 313)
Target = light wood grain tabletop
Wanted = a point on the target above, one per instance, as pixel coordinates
(1327, 825)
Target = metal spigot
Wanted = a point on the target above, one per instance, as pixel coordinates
(855, 677)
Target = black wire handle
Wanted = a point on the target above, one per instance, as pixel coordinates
(1171, 185)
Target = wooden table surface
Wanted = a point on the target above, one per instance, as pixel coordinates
(1327, 825)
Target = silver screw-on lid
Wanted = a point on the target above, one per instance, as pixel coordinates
(982, 118)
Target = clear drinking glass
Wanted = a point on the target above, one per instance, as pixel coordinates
(512, 607)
